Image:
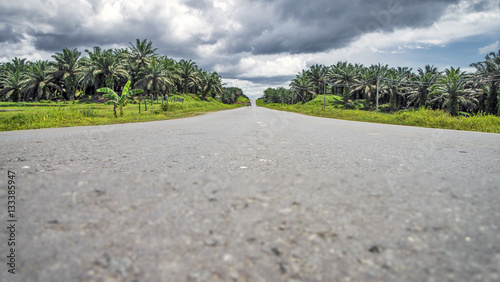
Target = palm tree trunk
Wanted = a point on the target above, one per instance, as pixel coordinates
(453, 104)
(492, 99)
(346, 93)
(423, 98)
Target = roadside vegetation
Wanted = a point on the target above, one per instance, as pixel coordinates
(71, 89)
(450, 99)
(19, 115)
(422, 117)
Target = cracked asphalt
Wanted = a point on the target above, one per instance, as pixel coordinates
(252, 194)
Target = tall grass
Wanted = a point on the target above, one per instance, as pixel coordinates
(43, 118)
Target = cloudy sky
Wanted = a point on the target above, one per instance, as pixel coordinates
(255, 44)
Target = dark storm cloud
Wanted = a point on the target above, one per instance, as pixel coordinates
(8, 35)
(266, 27)
(199, 4)
(483, 6)
(296, 26)
(59, 24)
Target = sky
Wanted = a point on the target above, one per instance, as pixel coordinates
(256, 44)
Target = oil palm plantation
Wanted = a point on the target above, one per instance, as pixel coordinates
(107, 68)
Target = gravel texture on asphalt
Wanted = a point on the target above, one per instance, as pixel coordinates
(252, 195)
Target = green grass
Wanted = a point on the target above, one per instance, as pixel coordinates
(421, 117)
(19, 116)
(242, 101)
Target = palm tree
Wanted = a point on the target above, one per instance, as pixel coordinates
(211, 84)
(424, 80)
(395, 83)
(271, 95)
(67, 69)
(189, 74)
(12, 83)
(216, 84)
(345, 75)
(450, 91)
(39, 81)
(171, 69)
(141, 52)
(489, 73)
(302, 85)
(318, 75)
(17, 64)
(230, 95)
(119, 101)
(153, 78)
(87, 80)
(367, 85)
(103, 67)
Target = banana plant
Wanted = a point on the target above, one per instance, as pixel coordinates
(119, 101)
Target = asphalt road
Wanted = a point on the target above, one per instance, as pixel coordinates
(252, 194)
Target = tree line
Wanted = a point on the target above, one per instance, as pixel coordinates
(452, 90)
(70, 75)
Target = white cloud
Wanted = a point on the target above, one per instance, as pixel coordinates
(251, 89)
(23, 49)
(456, 24)
(271, 65)
(493, 47)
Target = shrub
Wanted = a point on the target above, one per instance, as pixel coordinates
(164, 107)
(89, 112)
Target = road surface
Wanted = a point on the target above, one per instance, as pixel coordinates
(252, 194)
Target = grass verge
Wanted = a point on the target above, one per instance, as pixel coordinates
(20, 116)
(421, 117)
